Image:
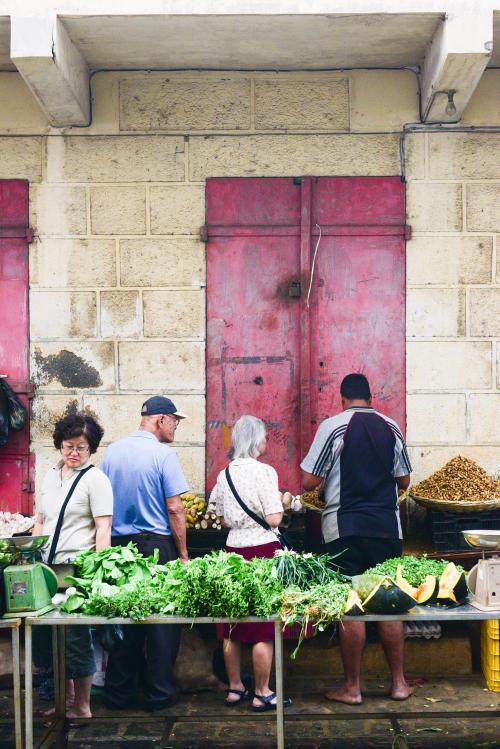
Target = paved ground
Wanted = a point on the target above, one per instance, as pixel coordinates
(201, 721)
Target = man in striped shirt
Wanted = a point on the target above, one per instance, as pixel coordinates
(361, 459)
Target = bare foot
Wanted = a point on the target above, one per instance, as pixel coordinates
(73, 713)
(345, 695)
(52, 711)
(401, 691)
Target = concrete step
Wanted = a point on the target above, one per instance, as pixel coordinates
(448, 656)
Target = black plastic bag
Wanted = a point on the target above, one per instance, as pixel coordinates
(17, 412)
(111, 635)
(4, 417)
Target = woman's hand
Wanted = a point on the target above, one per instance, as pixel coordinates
(38, 527)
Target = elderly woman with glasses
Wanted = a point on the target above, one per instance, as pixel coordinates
(257, 485)
(85, 523)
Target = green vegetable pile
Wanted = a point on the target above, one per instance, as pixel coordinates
(105, 574)
(414, 569)
(119, 582)
(6, 556)
(319, 606)
(301, 588)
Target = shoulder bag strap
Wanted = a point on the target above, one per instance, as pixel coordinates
(57, 532)
(249, 512)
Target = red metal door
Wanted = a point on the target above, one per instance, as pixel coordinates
(357, 304)
(305, 283)
(253, 328)
(15, 475)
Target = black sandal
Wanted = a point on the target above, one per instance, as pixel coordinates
(268, 704)
(243, 695)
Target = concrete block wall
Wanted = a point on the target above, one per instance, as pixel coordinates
(453, 300)
(118, 272)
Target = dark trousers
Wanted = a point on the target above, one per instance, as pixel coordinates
(146, 648)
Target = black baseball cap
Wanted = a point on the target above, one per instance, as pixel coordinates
(158, 404)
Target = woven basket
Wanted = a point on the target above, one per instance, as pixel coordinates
(310, 506)
(458, 505)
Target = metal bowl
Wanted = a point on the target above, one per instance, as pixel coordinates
(483, 539)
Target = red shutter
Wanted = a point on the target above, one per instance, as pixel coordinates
(269, 352)
(15, 460)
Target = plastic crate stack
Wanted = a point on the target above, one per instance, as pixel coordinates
(490, 654)
(447, 527)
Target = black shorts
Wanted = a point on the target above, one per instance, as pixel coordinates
(356, 554)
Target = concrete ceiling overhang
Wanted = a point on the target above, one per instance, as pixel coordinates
(55, 54)
(286, 42)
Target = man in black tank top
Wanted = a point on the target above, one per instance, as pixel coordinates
(361, 458)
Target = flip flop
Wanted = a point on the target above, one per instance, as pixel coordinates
(268, 704)
(243, 695)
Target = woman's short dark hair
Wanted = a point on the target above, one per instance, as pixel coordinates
(78, 425)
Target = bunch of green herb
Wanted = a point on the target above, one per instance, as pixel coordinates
(319, 606)
(266, 587)
(115, 566)
(304, 570)
(414, 569)
(218, 585)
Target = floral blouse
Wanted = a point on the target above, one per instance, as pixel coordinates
(257, 485)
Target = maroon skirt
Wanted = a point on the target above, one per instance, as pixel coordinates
(249, 632)
(252, 633)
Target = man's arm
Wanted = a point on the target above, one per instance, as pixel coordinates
(103, 532)
(177, 521)
(403, 482)
(310, 481)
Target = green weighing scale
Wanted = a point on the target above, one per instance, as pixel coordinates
(29, 585)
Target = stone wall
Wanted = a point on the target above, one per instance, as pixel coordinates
(118, 272)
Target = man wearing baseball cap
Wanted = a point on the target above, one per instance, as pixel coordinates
(147, 480)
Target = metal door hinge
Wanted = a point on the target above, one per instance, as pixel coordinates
(28, 486)
(294, 289)
(407, 231)
(204, 233)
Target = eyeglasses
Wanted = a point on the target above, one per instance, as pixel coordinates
(173, 416)
(68, 449)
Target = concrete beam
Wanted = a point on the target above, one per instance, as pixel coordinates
(52, 67)
(459, 52)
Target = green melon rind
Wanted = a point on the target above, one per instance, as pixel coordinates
(383, 596)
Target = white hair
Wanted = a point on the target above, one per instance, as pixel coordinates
(248, 433)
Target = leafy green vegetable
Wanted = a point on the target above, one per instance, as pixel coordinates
(415, 569)
(320, 606)
(6, 556)
(303, 570)
(115, 566)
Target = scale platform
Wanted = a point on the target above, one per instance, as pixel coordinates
(484, 578)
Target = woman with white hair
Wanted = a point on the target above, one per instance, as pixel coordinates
(257, 485)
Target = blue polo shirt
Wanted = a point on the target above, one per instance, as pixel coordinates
(143, 473)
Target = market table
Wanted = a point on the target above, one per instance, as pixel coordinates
(14, 625)
(58, 621)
